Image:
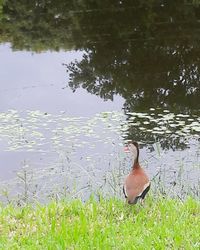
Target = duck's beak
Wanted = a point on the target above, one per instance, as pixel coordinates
(126, 149)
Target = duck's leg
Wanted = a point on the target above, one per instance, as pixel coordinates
(142, 202)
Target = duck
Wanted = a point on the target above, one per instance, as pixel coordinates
(137, 183)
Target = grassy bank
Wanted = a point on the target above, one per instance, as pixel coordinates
(108, 224)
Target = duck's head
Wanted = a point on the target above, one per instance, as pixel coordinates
(132, 147)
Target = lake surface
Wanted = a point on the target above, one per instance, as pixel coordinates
(79, 80)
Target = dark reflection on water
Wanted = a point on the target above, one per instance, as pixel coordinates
(146, 51)
(149, 53)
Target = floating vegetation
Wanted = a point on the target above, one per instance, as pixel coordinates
(170, 129)
(34, 129)
(85, 154)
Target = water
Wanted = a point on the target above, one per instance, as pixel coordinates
(32, 81)
(78, 81)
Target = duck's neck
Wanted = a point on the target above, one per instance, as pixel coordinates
(135, 152)
(136, 165)
(136, 160)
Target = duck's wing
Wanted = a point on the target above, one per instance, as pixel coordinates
(146, 190)
(141, 195)
(124, 191)
(135, 187)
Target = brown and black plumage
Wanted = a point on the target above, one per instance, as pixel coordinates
(137, 183)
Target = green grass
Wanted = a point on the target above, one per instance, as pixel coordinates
(108, 224)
